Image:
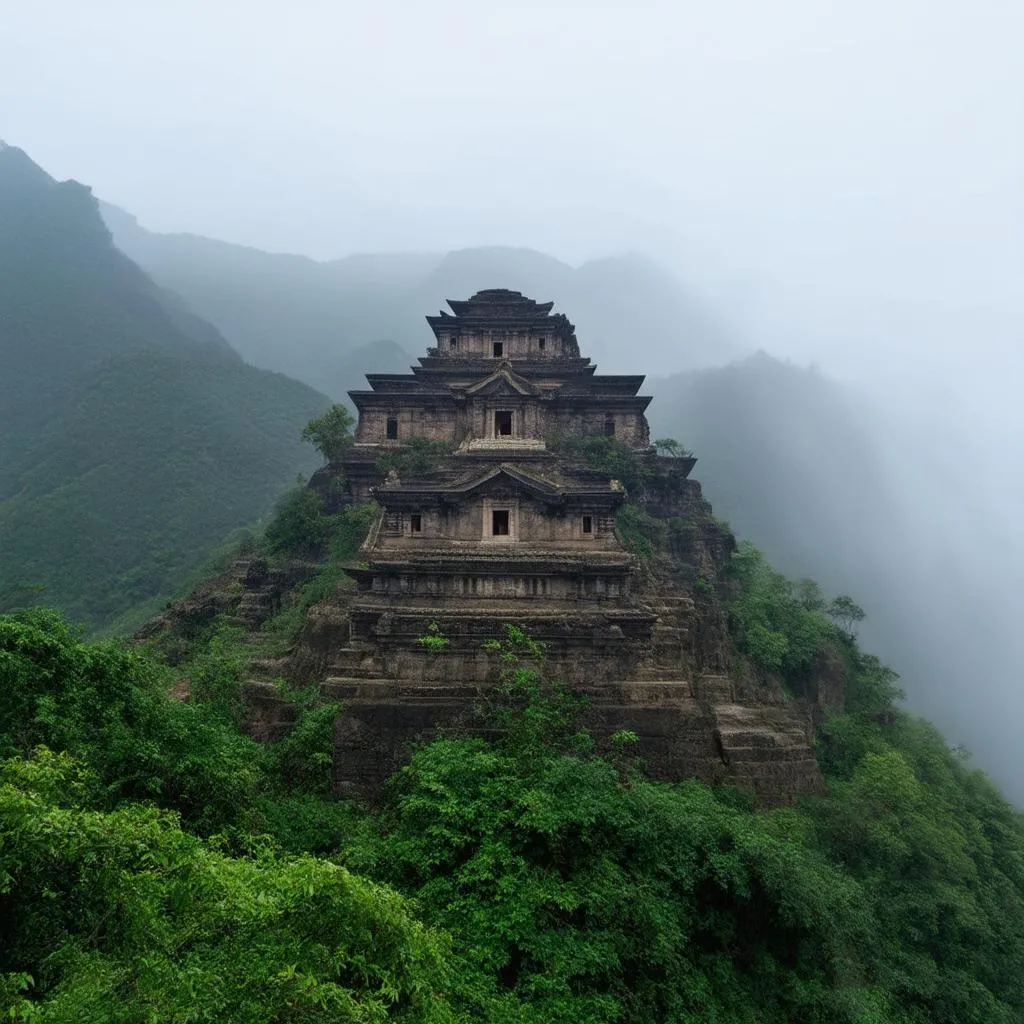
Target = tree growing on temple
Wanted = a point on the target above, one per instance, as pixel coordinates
(330, 434)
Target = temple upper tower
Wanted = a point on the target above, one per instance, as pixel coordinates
(500, 324)
(506, 373)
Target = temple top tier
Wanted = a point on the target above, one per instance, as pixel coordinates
(501, 324)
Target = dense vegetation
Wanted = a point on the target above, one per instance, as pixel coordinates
(107, 383)
(157, 864)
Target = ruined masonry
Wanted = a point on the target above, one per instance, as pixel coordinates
(495, 523)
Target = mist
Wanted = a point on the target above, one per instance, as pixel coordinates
(838, 185)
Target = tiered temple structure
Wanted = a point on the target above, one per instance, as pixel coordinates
(484, 520)
(502, 528)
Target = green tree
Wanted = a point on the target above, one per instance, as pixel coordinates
(300, 525)
(845, 613)
(331, 433)
(671, 447)
(419, 456)
(578, 892)
(120, 916)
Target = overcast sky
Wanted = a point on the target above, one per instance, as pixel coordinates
(846, 177)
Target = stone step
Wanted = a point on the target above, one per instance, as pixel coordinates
(719, 691)
(264, 667)
(352, 688)
(737, 755)
(663, 691)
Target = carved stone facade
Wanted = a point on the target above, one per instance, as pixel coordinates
(496, 526)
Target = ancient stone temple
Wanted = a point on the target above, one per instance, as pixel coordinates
(488, 515)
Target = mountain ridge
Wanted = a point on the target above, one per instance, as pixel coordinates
(133, 437)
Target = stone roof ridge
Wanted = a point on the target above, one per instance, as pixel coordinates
(505, 372)
(497, 303)
(505, 469)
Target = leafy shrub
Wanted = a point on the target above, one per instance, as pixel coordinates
(120, 916)
(300, 524)
(607, 455)
(640, 532)
(419, 456)
(331, 433)
(771, 619)
(109, 706)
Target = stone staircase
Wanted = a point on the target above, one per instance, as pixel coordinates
(768, 750)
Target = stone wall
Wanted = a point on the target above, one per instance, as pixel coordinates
(530, 522)
(532, 417)
(516, 344)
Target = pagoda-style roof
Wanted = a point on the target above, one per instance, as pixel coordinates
(504, 380)
(502, 308)
(498, 304)
(552, 488)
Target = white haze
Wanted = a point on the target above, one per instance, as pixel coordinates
(843, 182)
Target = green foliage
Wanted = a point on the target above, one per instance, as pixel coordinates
(607, 455)
(120, 916)
(157, 865)
(670, 447)
(302, 526)
(433, 640)
(342, 534)
(331, 433)
(641, 532)
(845, 612)
(532, 713)
(419, 456)
(108, 704)
(779, 624)
(940, 858)
(349, 530)
(574, 897)
(134, 438)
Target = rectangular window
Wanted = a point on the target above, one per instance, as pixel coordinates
(392, 428)
(454, 343)
(540, 342)
(588, 524)
(503, 424)
(609, 426)
(499, 349)
(499, 522)
(415, 523)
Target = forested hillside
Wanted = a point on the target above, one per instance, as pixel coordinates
(133, 438)
(160, 864)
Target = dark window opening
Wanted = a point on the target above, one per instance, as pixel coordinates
(588, 524)
(454, 342)
(499, 522)
(609, 426)
(416, 523)
(540, 342)
(503, 424)
(499, 349)
(392, 428)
